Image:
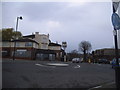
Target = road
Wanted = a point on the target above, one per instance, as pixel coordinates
(44, 74)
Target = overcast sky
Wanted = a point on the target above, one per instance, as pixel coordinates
(64, 21)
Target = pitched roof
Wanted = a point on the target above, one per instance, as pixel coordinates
(29, 36)
(54, 44)
(25, 40)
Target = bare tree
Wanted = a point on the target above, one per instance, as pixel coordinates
(85, 47)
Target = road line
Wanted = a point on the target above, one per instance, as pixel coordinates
(57, 64)
(101, 86)
(43, 65)
(95, 87)
(78, 66)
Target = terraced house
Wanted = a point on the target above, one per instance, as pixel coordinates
(34, 46)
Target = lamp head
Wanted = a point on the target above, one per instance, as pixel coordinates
(21, 17)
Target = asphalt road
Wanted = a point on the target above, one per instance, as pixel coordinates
(43, 74)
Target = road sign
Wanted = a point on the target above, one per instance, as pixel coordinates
(116, 21)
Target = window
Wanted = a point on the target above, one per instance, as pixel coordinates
(44, 46)
(4, 44)
(17, 44)
(28, 44)
(44, 40)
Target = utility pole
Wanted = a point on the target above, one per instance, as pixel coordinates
(15, 37)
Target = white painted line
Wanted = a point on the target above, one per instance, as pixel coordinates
(101, 86)
(39, 64)
(97, 86)
(57, 64)
(43, 65)
(78, 66)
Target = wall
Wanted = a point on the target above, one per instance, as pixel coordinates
(54, 47)
(42, 39)
(18, 44)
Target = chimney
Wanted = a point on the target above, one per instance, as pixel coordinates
(36, 33)
(48, 35)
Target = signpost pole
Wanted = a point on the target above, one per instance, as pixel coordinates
(116, 25)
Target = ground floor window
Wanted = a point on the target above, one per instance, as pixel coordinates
(22, 53)
(41, 56)
(5, 53)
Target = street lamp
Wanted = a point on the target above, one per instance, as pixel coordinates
(64, 45)
(15, 36)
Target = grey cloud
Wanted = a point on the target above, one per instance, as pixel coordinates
(91, 22)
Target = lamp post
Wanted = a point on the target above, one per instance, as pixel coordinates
(64, 45)
(15, 36)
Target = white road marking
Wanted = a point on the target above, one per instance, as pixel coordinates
(78, 66)
(101, 86)
(57, 64)
(43, 65)
(98, 87)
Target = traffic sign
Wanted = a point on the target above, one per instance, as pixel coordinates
(116, 21)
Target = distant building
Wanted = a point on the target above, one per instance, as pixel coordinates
(108, 53)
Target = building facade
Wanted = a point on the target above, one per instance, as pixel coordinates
(34, 47)
(24, 49)
(42, 39)
(106, 53)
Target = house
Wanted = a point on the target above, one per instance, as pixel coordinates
(54, 52)
(35, 46)
(42, 39)
(25, 48)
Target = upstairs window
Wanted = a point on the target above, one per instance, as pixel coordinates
(28, 44)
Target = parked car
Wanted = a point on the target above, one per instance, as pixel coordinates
(113, 63)
(104, 61)
(77, 60)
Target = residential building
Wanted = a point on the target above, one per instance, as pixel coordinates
(24, 49)
(42, 39)
(35, 46)
(54, 52)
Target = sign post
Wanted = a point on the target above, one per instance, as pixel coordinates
(116, 25)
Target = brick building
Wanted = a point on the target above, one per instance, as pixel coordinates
(35, 46)
(108, 53)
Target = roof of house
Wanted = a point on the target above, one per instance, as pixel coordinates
(29, 36)
(54, 44)
(6, 40)
(25, 40)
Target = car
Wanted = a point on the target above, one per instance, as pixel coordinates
(77, 60)
(113, 63)
(104, 61)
